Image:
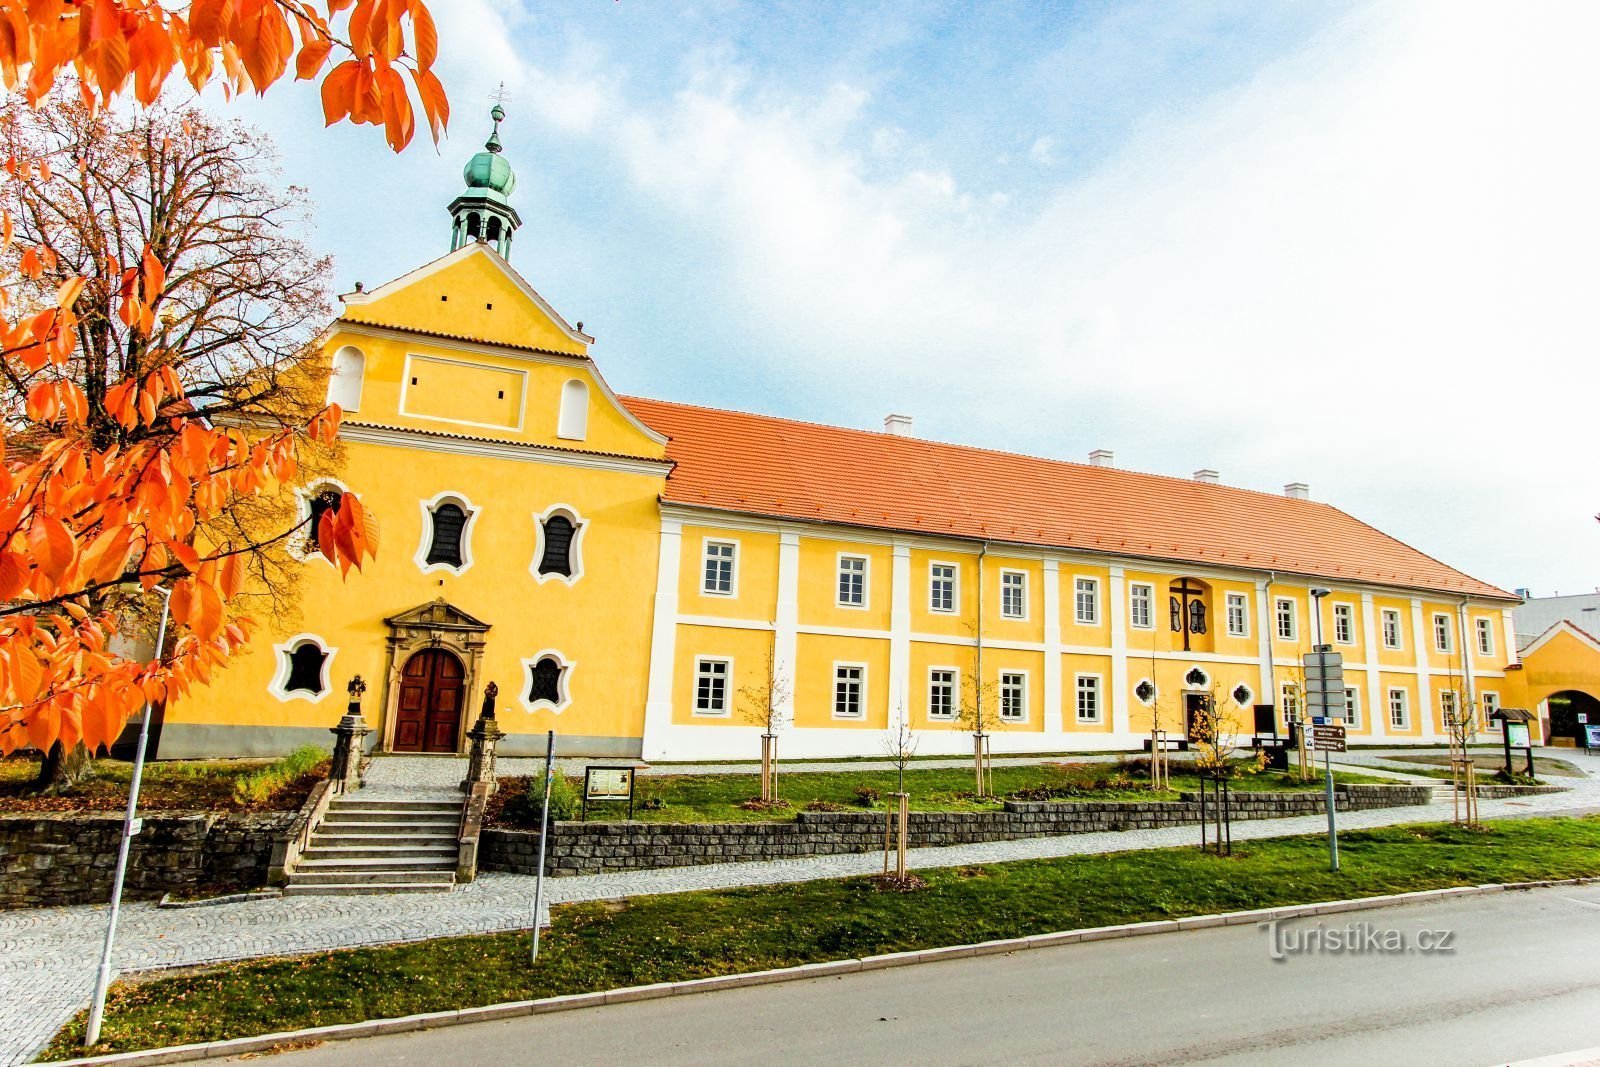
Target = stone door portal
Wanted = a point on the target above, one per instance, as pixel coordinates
(428, 715)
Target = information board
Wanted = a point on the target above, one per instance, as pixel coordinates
(608, 783)
(1517, 735)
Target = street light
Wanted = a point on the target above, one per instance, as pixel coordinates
(97, 1007)
(1317, 593)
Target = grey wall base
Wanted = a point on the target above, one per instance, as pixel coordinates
(190, 740)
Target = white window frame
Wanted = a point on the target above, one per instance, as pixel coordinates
(1484, 696)
(1403, 705)
(1149, 591)
(955, 587)
(1085, 586)
(1289, 701)
(1345, 612)
(866, 580)
(955, 693)
(1385, 617)
(1008, 677)
(1006, 572)
(1442, 640)
(296, 545)
(1294, 618)
(700, 663)
(733, 567)
(574, 550)
(280, 675)
(1099, 690)
(1449, 700)
(861, 696)
(1485, 631)
(563, 687)
(1352, 707)
(449, 496)
(1229, 602)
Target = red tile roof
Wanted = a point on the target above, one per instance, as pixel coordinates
(766, 466)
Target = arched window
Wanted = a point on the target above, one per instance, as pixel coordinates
(1145, 691)
(314, 501)
(1242, 694)
(302, 671)
(1196, 678)
(558, 552)
(573, 424)
(447, 521)
(494, 228)
(474, 227)
(345, 378)
(547, 679)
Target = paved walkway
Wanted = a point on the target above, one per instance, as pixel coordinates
(47, 955)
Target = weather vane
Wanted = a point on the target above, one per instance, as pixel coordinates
(500, 95)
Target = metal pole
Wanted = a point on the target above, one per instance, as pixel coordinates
(102, 982)
(1327, 753)
(544, 832)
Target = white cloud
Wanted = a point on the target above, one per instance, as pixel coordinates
(1043, 150)
(1370, 268)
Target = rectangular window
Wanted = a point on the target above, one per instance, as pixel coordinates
(1399, 713)
(1289, 698)
(941, 693)
(1391, 629)
(1238, 615)
(1286, 620)
(849, 690)
(1485, 637)
(1491, 704)
(1086, 601)
(711, 686)
(1141, 598)
(942, 587)
(1013, 696)
(1352, 708)
(719, 578)
(1088, 698)
(1441, 632)
(852, 581)
(1447, 705)
(1344, 624)
(1014, 594)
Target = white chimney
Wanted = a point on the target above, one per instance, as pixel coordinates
(1297, 491)
(1102, 457)
(899, 425)
(1207, 475)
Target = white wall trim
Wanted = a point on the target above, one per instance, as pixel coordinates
(899, 630)
(280, 674)
(295, 546)
(574, 551)
(1117, 697)
(1054, 713)
(450, 444)
(657, 741)
(1423, 640)
(563, 685)
(1377, 725)
(420, 557)
(733, 571)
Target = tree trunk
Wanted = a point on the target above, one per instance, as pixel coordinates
(61, 769)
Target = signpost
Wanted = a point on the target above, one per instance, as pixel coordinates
(1324, 671)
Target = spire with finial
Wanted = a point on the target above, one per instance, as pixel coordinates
(484, 211)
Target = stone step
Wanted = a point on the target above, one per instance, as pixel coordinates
(317, 853)
(394, 815)
(382, 877)
(354, 888)
(391, 832)
(384, 843)
(356, 803)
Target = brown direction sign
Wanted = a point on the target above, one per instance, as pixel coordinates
(1330, 738)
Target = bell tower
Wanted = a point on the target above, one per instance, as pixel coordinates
(484, 212)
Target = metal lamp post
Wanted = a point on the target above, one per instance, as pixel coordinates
(130, 827)
(1327, 753)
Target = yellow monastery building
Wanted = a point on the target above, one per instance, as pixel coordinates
(629, 571)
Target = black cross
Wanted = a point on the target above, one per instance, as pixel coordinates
(1187, 617)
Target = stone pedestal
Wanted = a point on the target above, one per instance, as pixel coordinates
(484, 735)
(348, 739)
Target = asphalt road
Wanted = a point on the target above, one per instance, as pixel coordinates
(1521, 979)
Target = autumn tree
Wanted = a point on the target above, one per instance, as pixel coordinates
(767, 704)
(132, 483)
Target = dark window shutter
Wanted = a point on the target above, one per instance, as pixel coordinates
(305, 669)
(557, 558)
(448, 522)
(322, 502)
(546, 681)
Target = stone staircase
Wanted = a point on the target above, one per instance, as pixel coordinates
(381, 844)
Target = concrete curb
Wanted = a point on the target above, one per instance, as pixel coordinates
(517, 1008)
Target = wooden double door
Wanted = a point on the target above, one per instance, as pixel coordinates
(432, 692)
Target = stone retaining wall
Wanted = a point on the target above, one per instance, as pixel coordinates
(596, 847)
(55, 858)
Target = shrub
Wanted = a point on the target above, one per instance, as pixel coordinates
(867, 796)
(525, 808)
(824, 805)
(258, 786)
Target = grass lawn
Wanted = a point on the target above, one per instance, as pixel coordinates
(693, 935)
(720, 797)
(177, 785)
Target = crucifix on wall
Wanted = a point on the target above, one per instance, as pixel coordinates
(1187, 609)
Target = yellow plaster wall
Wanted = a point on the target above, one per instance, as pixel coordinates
(998, 660)
(1075, 664)
(925, 655)
(819, 584)
(750, 651)
(995, 626)
(755, 575)
(815, 656)
(963, 621)
(1406, 654)
(1073, 632)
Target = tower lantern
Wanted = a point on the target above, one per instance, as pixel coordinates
(484, 212)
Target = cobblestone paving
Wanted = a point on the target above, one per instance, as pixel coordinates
(47, 955)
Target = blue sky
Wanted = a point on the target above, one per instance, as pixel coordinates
(1341, 243)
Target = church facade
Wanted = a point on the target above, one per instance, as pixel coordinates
(645, 577)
